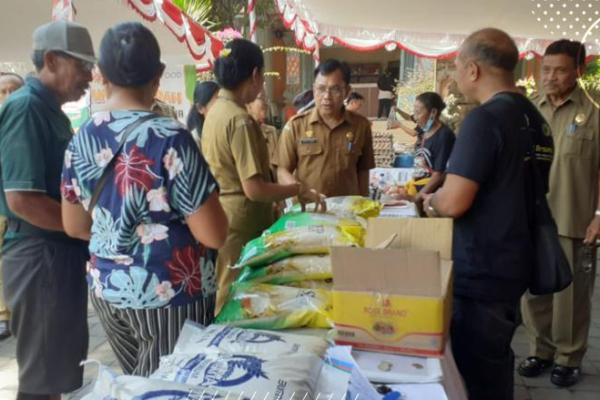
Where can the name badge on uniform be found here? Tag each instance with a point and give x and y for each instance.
(571, 129)
(308, 140)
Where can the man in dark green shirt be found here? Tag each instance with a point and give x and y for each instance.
(44, 270)
(9, 83)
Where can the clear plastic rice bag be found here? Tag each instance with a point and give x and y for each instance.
(290, 270)
(346, 206)
(301, 233)
(262, 306)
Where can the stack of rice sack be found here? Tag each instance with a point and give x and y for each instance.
(285, 278)
(221, 362)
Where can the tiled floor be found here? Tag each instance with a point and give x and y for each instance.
(525, 389)
(542, 389)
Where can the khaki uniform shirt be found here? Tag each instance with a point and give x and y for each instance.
(574, 174)
(236, 150)
(325, 159)
(272, 138)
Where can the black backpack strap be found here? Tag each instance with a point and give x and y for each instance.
(111, 164)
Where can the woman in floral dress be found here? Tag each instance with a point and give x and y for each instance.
(157, 216)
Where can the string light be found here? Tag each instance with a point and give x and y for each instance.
(286, 49)
(272, 74)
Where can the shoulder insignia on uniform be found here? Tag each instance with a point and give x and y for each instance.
(580, 119)
(300, 115)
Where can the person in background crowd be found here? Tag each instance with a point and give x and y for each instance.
(163, 109)
(258, 111)
(237, 154)
(394, 123)
(44, 270)
(354, 102)
(558, 325)
(303, 101)
(328, 148)
(433, 153)
(9, 83)
(485, 193)
(205, 95)
(153, 269)
(385, 84)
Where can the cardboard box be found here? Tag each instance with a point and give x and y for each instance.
(397, 299)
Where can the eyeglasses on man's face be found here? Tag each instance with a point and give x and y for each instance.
(334, 91)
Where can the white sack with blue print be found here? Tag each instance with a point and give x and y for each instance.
(228, 339)
(285, 378)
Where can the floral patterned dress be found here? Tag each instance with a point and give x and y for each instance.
(143, 253)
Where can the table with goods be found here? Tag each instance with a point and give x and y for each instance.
(331, 306)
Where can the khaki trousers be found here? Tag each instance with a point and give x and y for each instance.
(558, 324)
(228, 256)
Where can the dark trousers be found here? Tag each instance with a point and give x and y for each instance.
(385, 105)
(46, 291)
(481, 335)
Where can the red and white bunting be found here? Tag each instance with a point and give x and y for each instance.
(252, 17)
(202, 45)
(62, 10)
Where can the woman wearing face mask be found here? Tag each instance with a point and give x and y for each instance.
(237, 154)
(205, 95)
(432, 155)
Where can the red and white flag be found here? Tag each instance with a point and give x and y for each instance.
(252, 16)
(62, 10)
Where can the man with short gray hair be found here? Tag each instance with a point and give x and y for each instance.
(44, 269)
(488, 192)
(558, 324)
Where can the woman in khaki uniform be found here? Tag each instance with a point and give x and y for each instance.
(237, 154)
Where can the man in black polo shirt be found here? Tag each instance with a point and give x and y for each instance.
(44, 269)
(488, 193)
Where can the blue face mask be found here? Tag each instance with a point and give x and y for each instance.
(429, 124)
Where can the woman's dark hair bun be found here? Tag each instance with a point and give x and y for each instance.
(238, 59)
(432, 100)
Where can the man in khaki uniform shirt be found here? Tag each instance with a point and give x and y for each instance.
(328, 148)
(558, 324)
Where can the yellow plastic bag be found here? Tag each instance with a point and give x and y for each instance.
(413, 187)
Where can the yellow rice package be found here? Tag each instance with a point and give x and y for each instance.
(261, 306)
(347, 206)
(290, 270)
(301, 233)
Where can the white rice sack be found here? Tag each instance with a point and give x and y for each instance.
(228, 339)
(275, 379)
(112, 386)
